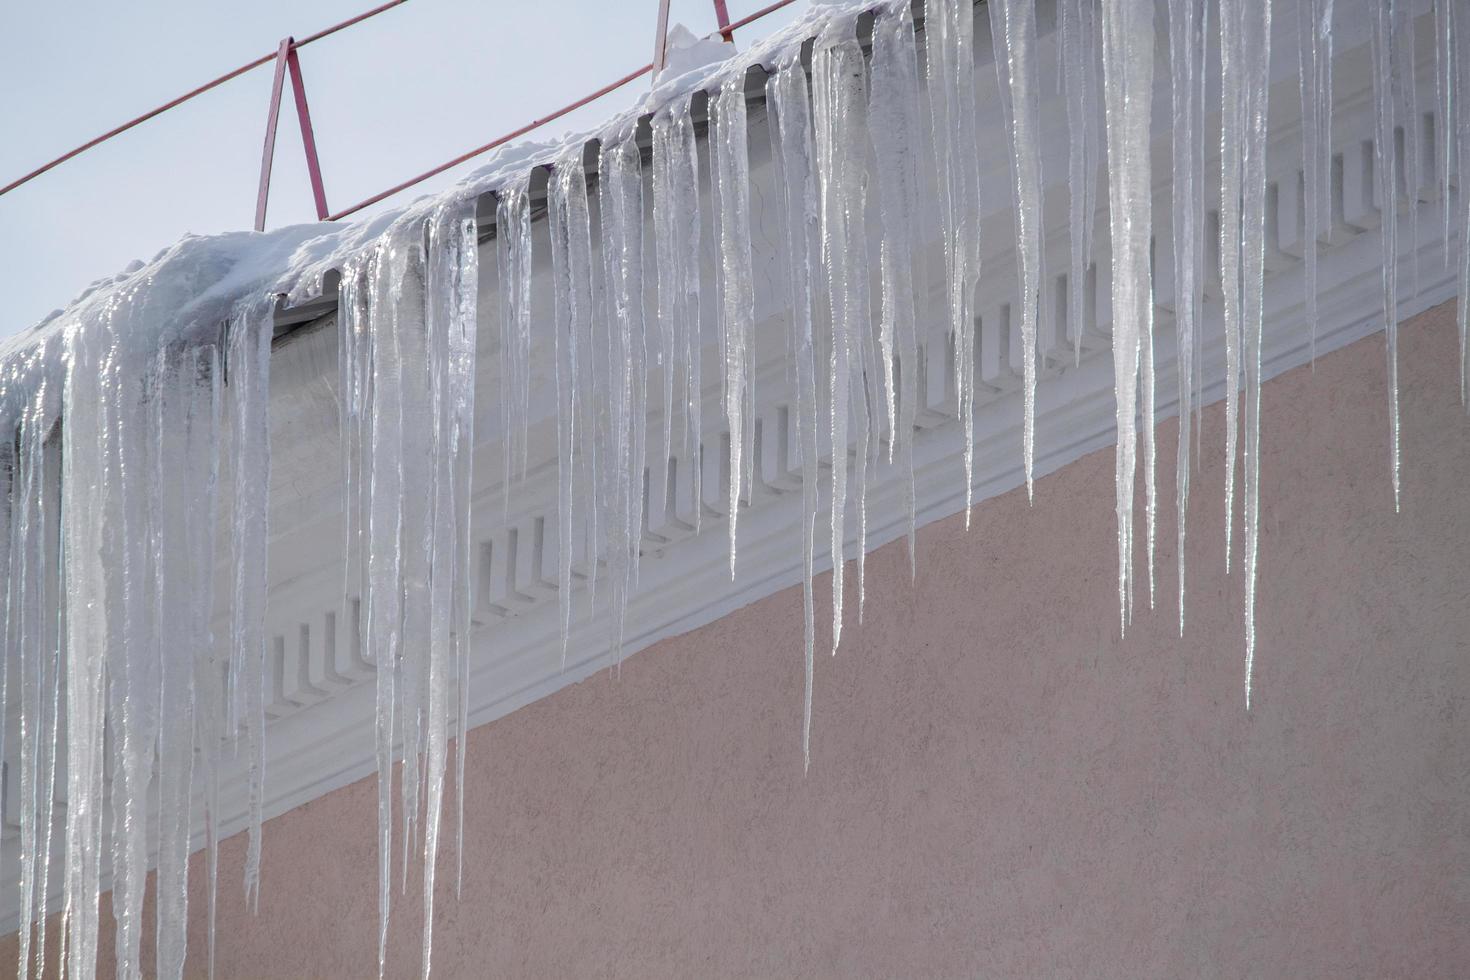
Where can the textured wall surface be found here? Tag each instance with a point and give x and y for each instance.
(1000, 786)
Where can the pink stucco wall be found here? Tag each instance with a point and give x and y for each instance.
(1000, 786)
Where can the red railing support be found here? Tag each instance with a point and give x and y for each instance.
(268, 154)
(537, 123)
(661, 38)
(287, 61)
(498, 141)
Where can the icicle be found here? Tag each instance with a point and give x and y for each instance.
(12, 534)
(407, 365)
(187, 430)
(1386, 82)
(1405, 93)
(676, 236)
(839, 96)
(443, 564)
(405, 308)
(10, 528)
(1127, 55)
(34, 635)
(99, 391)
(1444, 110)
(354, 424)
(380, 471)
(893, 118)
(459, 257)
(1186, 52)
(1013, 35)
(620, 189)
(1202, 247)
(514, 257)
(851, 100)
(135, 678)
(735, 277)
(1256, 51)
(9, 475)
(356, 393)
(249, 391)
(211, 659)
(667, 256)
(1232, 125)
(1326, 10)
(1445, 106)
(1147, 420)
(51, 582)
(209, 675)
(1314, 62)
(572, 285)
(1078, 29)
(451, 274)
(636, 315)
(1245, 61)
(792, 139)
(46, 817)
(600, 383)
(1461, 58)
(139, 559)
(405, 288)
(950, 68)
(19, 594)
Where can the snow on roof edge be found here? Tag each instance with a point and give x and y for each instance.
(204, 279)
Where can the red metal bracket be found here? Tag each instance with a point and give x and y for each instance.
(722, 17)
(661, 38)
(287, 61)
(308, 139)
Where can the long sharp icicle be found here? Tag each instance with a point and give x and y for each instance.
(734, 281)
(1186, 54)
(1127, 56)
(1255, 39)
(1013, 33)
(893, 121)
(1078, 38)
(787, 90)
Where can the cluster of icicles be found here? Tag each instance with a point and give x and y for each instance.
(124, 691)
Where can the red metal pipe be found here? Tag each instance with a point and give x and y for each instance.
(498, 141)
(663, 24)
(328, 31)
(727, 30)
(752, 18)
(192, 93)
(134, 122)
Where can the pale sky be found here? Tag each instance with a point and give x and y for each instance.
(390, 98)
